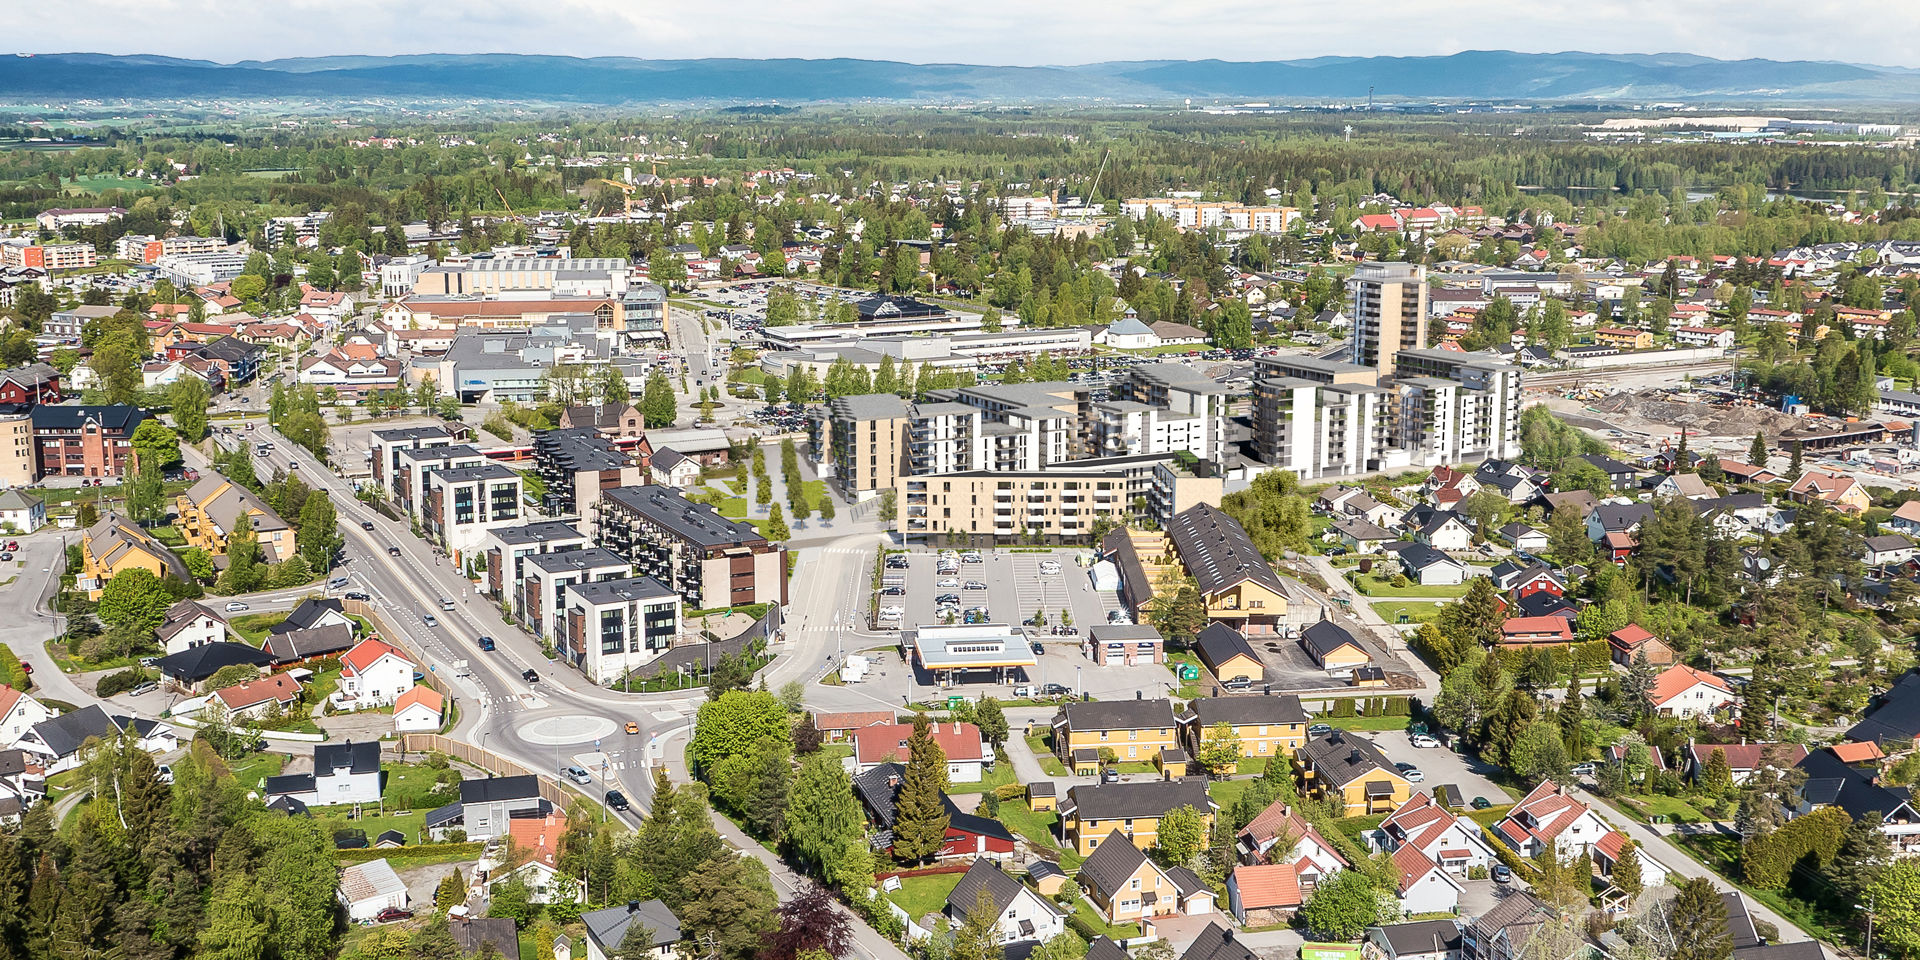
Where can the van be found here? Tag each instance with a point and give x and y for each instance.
(446, 604)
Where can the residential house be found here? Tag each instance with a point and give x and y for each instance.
(836, 727)
(1906, 518)
(59, 744)
(1842, 493)
(1524, 538)
(1092, 812)
(1549, 818)
(115, 544)
(368, 888)
(1887, 548)
(1134, 730)
(1415, 940)
(372, 674)
(607, 929)
(1216, 942)
(190, 669)
(1445, 531)
(1263, 894)
(1443, 838)
(967, 756)
(1622, 476)
(1235, 582)
(1547, 631)
(1360, 535)
(1617, 517)
(1833, 782)
(1894, 719)
(1685, 485)
(1280, 835)
(532, 856)
(296, 646)
(672, 469)
(1127, 887)
(1228, 654)
(968, 835)
(1348, 767)
(190, 623)
(21, 512)
(253, 699)
(1267, 727)
(1505, 931)
(212, 511)
(1426, 566)
(346, 772)
(475, 935)
(421, 709)
(1632, 641)
(19, 712)
(1020, 912)
(1682, 691)
(315, 612)
(1743, 759)
(614, 420)
(485, 806)
(1422, 885)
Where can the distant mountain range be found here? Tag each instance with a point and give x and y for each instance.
(1497, 75)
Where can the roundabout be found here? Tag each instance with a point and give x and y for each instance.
(569, 728)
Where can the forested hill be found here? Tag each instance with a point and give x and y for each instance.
(1471, 75)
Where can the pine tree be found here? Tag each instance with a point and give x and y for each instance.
(1698, 918)
(1757, 454)
(1626, 871)
(1793, 465)
(1573, 728)
(777, 524)
(920, 818)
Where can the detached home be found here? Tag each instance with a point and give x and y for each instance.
(1682, 691)
(1020, 912)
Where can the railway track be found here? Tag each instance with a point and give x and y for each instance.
(1598, 375)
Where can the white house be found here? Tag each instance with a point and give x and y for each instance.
(607, 929)
(190, 624)
(1888, 548)
(1549, 817)
(18, 713)
(368, 888)
(1421, 884)
(1445, 531)
(1021, 912)
(671, 469)
(1423, 824)
(346, 772)
(372, 674)
(22, 512)
(421, 708)
(1427, 566)
(1127, 333)
(1524, 537)
(537, 840)
(1682, 691)
(1311, 858)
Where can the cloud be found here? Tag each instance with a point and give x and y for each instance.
(983, 31)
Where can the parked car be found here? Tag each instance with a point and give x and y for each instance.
(1502, 873)
(1481, 803)
(143, 689)
(360, 595)
(1422, 740)
(616, 800)
(1584, 769)
(949, 583)
(391, 914)
(1049, 567)
(1109, 775)
(1319, 730)
(1039, 649)
(893, 591)
(577, 775)
(1022, 692)
(972, 558)
(1054, 690)
(974, 585)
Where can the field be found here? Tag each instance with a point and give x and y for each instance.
(919, 896)
(1407, 611)
(101, 182)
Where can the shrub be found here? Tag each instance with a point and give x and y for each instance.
(11, 672)
(121, 682)
(1011, 791)
(1770, 859)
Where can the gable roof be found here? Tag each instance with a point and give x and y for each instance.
(1267, 886)
(494, 789)
(473, 933)
(1325, 637)
(309, 613)
(539, 836)
(1219, 643)
(1746, 756)
(608, 927)
(1216, 550)
(1284, 709)
(360, 757)
(1343, 757)
(369, 881)
(959, 741)
(314, 642)
(1421, 936)
(278, 687)
(422, 695)
(1117, 714)
(1830, 781)
(1410, 866)
(1108, 868)
(198, 663)
(366, 653)
(1139, 800)
(1680, 678)
(1001, 889)
(1897, 717)
(1217, 942)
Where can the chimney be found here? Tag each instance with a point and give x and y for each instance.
(633, 906)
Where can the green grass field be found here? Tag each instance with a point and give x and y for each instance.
(1407, 611)
(919, 896)
(100, 182)
(999, 776)
(1374, 586)
(1037, 827)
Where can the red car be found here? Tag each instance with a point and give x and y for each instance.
(28, 667)
(391, 914)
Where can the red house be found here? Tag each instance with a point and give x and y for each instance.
(967, 835)
(32, 384)
(1619, 546)
(1538, 580)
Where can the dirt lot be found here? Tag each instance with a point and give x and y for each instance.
(1657, 410)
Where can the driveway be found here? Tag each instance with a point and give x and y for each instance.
(1440, 765)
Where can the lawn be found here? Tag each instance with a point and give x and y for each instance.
(249, 772)
(407, 780)
(1407, 611)
(1374, 586)
(1049, 763)
(1225, 792)
(1189, 689)
(1001, 775)
(919, 896)
(254, 626)
(1675, 809)
(1088, 915)
(336, 818)
(1037, 827)
(1356, 828)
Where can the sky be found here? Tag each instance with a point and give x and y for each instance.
(1008, 32)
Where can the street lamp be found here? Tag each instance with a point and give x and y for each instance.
(1868, 907)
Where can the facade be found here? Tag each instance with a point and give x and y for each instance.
(19, 459)
(1127, 887)
(85, 441)
(1389, 313)
(1091, 813)
(966, 752)
(1238, 585)
(346, 772)
(190, 624)
(1020, 912)
(48, 256)
(507, 550)
(1135, 730)
(616, 626)
(386, 445)
(373, 674)
(211, 511)
(1454, 844)
(709, 560)
(1267, 727)
(1348, 767)
(415, 468)
(577, 464)
(486, 806)
(541, 598)
(1059, 504)
(116, 544)
(464, 503)
(420, 709)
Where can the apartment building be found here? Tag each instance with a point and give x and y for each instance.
(48, 256)
(1092, 813)
(1134, 730)
(1057, 505)
(492, 276)
(576, 464)
(865, 439)
(385, 448)
(541, 599)
(708, 560)
(200, 269)
(147, 249)
(85, 441)
(61, 219)
(416, 466)
(211, 511)
(115, 544)
(613, 627)
(1389, 313)
(507, 550)
(1189, 214)
(1267, 727)
(282, 230)
(69, 324)
(463, 503)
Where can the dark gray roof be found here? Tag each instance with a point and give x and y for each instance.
(288, 806)
(362, 757)
(1146, 798)
(870, 406)
(473, 932)
(1103, 948)
(877, 789)
(118, 418)
(14, 762)
(491, 789)
(1422, 936)
(1107, 869)
(1219, 643)
(1118, 714)
(68, 732)
(1188, 881)
(1608, 465)
(1420, 556)
(292, 645)
(1326, 636)
(1218, 943)
(695, 523)
(540, 532)
(451, 813)
(609, 927)
(229, 349)
(1802, 950)
(1519, 913)
(1002, 889)
(1897, 718)
(1618, 517)
(413, 433)
(1739, 922)
(1831, 781)
(1123, 632)
(287, 783)
(577, 560)
(1343, 757)
(1243, 710)
(478, 471)
(310, 612)
(580, 448)
(1217, 551)
(1043, 869)
(623, 590)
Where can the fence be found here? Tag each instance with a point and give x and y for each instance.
(487, 760)
(434, 679)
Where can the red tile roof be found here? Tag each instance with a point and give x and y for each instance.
(365, 654)
(541, 837)
(852, 719)
(883, 742)
(1680, 678)
(1409, 864)
(421, 694)
(1266, 886)
(1847, 752)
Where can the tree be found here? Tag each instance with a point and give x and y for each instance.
(1757, 454)
(189, 398)
(1719, 774)
(992, 721)
(1485, 508)
(1540, 753)
(810, 923)
(451, 892)
(777, 524)
(889, 506)
(766, 800)
(1183, 834)
(1793, 464)
(978, 937)
(730, 902)
(319, 531)
(1343, 907)
(920, 818)
(1626, 871)
(733, 724)
(1567, 537)
(657, 406)
(155, 442)
(806, 736)
(1896, 904)
(1698, 918)
(822, 815)
(146, 494)
(1219, 749)
(636, 943)
(136, 599)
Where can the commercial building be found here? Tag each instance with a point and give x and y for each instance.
(60, 219)
(200, 269)
(493, 276)
(1389, 313)
(463, 503)
(957, 653)
(47, 256)
(617, 626)
(708, 560)
(85, 441)
(541, 600)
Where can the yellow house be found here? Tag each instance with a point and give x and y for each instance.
(1238, 585)
(1228, 654)
(1040, 796)
(116, 544)
(1135, 730)
(1625, 338)
(1091, 813)
(210, 511)
(1126, 886)
(1348, 766)
(1270, 728)
(1333, 648)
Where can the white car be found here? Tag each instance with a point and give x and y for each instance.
(1422, 740)
(1049, 566)
(949, 583)
(235, 606)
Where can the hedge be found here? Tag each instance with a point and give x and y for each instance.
(11, 672)
(1591, 655)
(467, 851)
(1768, 860)
(1521, 867)
(121, 682)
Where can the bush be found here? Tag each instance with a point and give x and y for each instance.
(11, 672)
(1011, 791)
(121, 682)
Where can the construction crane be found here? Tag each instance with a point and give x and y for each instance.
(624, 188)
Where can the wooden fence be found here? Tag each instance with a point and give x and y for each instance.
(487, 760)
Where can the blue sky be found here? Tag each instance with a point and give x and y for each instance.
(976, 31)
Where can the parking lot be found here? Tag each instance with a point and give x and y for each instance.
(1009, 588)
